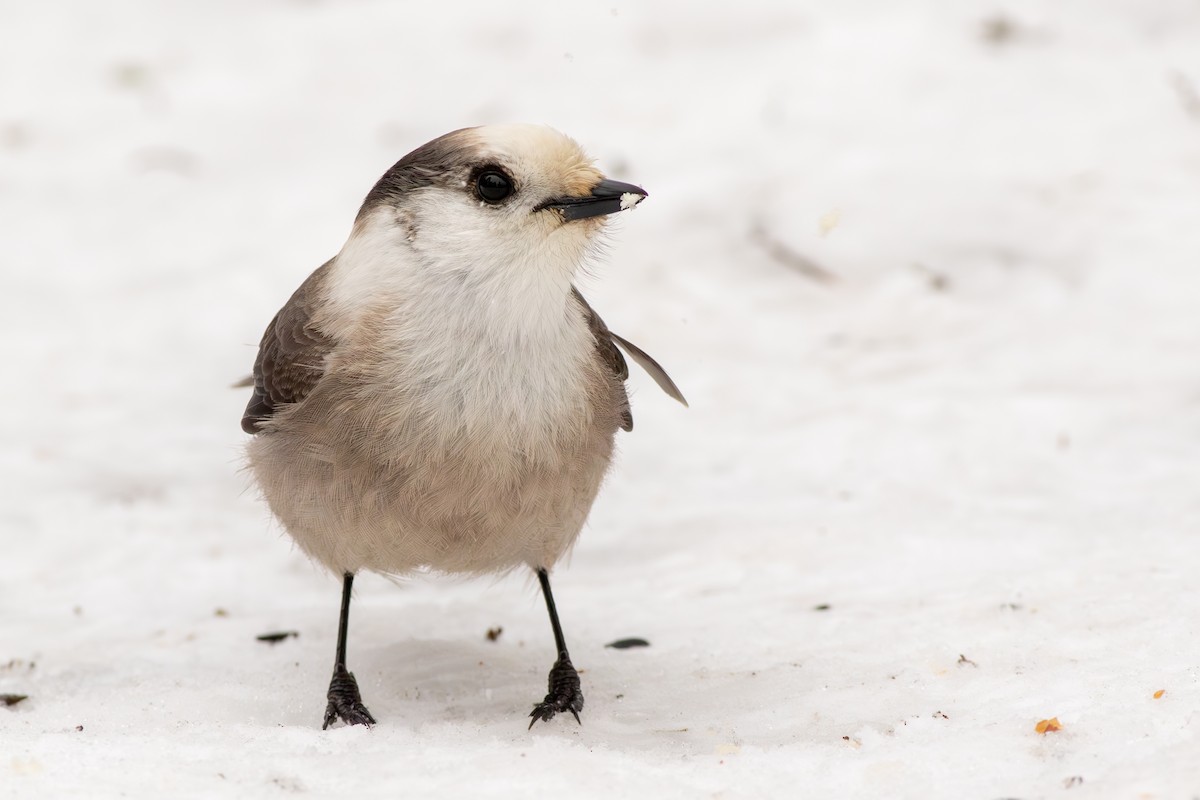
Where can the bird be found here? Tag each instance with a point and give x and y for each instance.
(439, 396)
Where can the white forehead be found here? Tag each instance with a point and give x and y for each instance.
(540, 152)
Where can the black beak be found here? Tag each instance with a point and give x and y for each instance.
(607, 197)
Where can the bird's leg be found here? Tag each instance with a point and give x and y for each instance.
(565, 693)
(345, 702)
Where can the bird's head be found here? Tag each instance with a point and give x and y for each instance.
(493, 199)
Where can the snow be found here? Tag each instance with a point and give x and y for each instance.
(631, 199)
(938, 478)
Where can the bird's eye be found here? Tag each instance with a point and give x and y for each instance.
(493, 186)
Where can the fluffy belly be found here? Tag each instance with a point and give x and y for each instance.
(478, 508)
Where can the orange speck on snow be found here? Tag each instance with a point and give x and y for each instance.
(1048, 725)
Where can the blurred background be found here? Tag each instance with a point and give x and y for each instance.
(927, 272)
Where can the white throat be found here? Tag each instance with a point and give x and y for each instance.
(511, 282)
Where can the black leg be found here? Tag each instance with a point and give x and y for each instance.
(565, 693)
(345, 702)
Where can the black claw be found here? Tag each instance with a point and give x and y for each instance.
(565, 693)
(345, 702)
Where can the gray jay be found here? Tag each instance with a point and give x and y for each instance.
(439, 395)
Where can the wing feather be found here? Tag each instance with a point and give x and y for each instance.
(610, 355)
(291, 356)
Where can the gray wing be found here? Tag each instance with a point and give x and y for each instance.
(291, 356)
(610, 355)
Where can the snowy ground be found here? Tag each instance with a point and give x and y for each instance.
(977, 444)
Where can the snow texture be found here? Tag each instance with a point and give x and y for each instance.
(928, 273)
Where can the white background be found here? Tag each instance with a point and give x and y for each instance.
(977, 444)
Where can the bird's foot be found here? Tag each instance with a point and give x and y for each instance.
(565, 693)
(345, 703)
